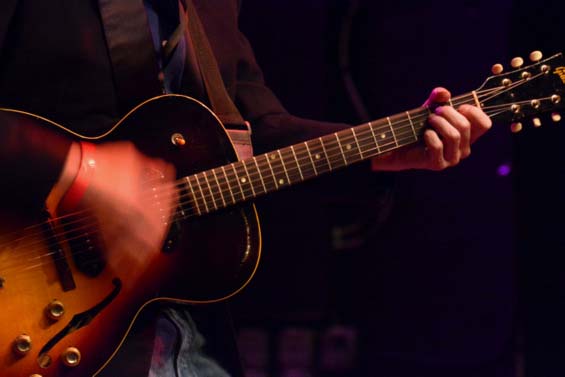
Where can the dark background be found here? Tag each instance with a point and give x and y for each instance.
(463, 279)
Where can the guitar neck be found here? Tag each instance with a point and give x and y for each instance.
(224, 186)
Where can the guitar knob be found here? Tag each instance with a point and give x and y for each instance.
(536, 122)
(516, 127)
(536, 56)
(517, 62)
(71, 357)
(497, 69)
(556, 117)
(22, 344)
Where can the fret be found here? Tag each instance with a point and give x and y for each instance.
(350, 146)
(334, 154)
(311, 159)
(392, 131)
(248, 178)
(325, 153)
(340, 148)
(450, 103)
(304, 162)
(297, 162)
(219, 187)
(278, 168)
(228, 183)
(194, 198)
(210, 188)
(260, 176)
(284, 168)
(374, 137)
(238, 181)
(412, 125)
(321, 162)
(357, 142)
(272, 171)
(202, 193)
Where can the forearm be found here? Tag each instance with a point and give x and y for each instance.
(31, 158)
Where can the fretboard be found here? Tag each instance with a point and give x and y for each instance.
(226, 185)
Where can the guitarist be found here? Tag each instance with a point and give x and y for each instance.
(84, 64)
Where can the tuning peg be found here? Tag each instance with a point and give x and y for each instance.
(497, 69)
(536, 56)
(517, 62)
(556, 117)
(516, 127)
(537, 122)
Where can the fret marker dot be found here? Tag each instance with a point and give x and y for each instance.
(383, 136)
(348, 147)
(243, 180)
(273, 157)
(281, 181)
(317, 156)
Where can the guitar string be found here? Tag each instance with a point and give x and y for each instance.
(329, 155)
(382, 127)
(294, 176)
(483, 91)
(78, 252)
(74, 230)
(225, 181)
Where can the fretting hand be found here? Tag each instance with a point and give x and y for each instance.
(446, 142)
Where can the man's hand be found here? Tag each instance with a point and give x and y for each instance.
(446, 142)
(129, 199)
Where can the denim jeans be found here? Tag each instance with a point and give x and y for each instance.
(177, 350)
(173, 343)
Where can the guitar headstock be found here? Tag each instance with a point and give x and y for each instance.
(526, 91)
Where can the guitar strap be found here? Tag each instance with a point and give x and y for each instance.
(238, 129)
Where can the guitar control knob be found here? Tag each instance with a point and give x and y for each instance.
(22, 344)
(517, 62)
(71, 357)
(536, 56)
(55, 310)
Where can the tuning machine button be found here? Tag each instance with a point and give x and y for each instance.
(556, 117)
(497, 69)
(537, 122)
(517, 62)
(22, 344)
(516, 127)
(535, 56)
(71, 357)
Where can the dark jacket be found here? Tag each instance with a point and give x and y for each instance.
(84, 64)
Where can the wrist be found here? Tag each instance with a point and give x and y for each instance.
(74, 179)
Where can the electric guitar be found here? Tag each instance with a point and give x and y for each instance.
(65, 313)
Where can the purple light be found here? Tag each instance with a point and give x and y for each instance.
(504, 170)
